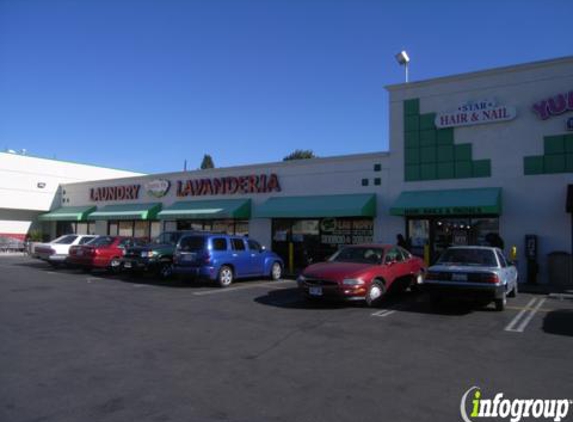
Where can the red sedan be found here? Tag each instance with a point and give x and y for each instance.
(104, 252)
(362, 272)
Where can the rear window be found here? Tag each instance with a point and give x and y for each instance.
(86, 239)
(192, 243)
(468, 256)
(65, 240)
(219, 244)
(101, 241)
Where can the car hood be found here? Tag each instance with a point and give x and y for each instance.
(336, 271)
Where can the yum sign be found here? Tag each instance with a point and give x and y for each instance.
(554, 106)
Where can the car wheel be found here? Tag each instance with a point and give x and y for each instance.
(115, 265)
(165, 270)
(276, 271)
(375, 293)
(514, 292)
(225, 277)
(500, 303)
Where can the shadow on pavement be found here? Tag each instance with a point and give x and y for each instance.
(399, 301)
(559, 322)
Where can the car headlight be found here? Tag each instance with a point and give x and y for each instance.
(147, 254)
(353, 282)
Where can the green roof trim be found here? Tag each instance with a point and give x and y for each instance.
(68, 214)
(356, 205)
(211, 209)
(448, 202)
(127, 212)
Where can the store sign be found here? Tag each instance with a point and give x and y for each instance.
(554, 106)
(115, 193)
(346, 232)
(230, 185)
(476, 113)
(157, 188)
(449, 211)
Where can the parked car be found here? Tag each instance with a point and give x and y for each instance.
(57, 251)
(104, 252)
(361, 272)
(476, 272)
(224, 258)
(155, 257)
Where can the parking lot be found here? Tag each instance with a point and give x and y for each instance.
(93, 347)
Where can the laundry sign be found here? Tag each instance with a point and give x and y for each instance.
(476, 113)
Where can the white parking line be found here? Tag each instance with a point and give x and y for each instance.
(384, 312)
(523, 318)
(264, 284)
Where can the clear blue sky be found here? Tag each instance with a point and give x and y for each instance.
(143, 85)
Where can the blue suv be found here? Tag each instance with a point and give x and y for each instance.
(224, 258)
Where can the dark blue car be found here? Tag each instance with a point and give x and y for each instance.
(224, 258)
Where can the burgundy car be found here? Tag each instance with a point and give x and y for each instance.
(104, 252)
(362, 272)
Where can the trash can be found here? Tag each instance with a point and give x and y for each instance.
(560, 268)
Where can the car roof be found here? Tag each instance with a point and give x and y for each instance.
(488, 248)
(372, 245)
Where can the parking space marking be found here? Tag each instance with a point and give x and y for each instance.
(383, 313)
(263, 284)
(524, 317)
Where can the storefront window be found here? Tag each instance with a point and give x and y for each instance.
(141, 229)
(77, 227)
(125, 228)
(314, 240)
(155, 229)
(112, 228)
(440, 233)
(237, 227)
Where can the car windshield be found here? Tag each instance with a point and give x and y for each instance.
(468, 256)
(170, 238)
(101, 241)
(360, 255)
(65, 240)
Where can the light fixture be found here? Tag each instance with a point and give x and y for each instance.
(403, 59)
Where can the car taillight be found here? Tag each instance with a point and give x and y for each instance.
(490, 278)
(438, 276)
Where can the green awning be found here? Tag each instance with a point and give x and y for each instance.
(126, 212)
(316, 206)
(211, 209)
(68, 214)
(449, 202)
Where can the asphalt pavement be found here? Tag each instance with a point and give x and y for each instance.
(94, 347)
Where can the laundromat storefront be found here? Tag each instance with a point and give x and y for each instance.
(307, 229)
(71, 220)
(436, 219)
(139, 220)
(229, 216)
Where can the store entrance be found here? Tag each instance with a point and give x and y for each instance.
(430, 236)
(301, 242)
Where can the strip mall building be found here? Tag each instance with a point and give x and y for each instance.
(471, 155)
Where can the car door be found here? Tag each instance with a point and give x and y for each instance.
(257, 257)
(240, 257)
(394, 264)
(508, 272)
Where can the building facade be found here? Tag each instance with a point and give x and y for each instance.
(29, 186)
(478, 158)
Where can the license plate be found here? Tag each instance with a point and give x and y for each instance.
(315, 291)
(189, 256)
(459, 277)
(127, 264)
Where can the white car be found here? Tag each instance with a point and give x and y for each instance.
(56, 252)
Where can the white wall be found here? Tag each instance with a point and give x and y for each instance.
(22, 196)
(532, 204)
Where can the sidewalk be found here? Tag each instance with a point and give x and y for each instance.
(544, 288)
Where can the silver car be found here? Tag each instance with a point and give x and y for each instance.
(478, 272)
